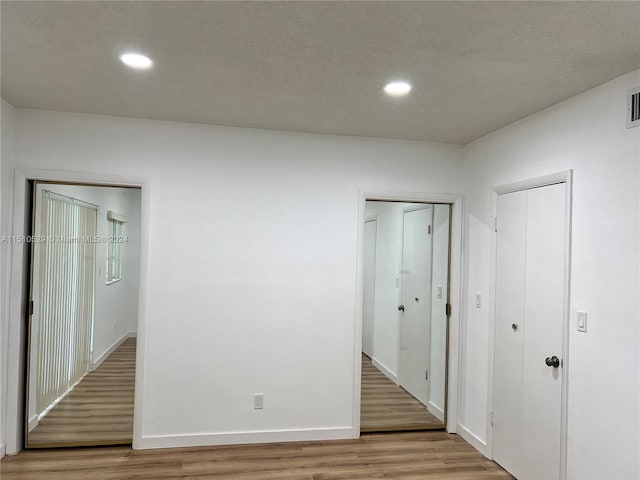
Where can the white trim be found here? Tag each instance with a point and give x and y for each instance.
(14, 429)
(358, 320)
(3, 449)
(239, 438)
(475, 441)
(456, 318)
(108, 352)
(536, 182)
(564, 405)
(16, 367)
(132, 334)
(88, 178)
(435, 410)
(493, 249)
(565, 177)
(456, 202)
(388, 373)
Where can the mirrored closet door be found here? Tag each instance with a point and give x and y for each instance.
(83, 315)
(405, 316)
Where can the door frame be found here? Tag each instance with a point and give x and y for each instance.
(455, 297)
(566, 177)
(19, 257)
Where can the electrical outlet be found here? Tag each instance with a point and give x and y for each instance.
(258, 401)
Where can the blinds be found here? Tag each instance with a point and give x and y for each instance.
(64, 304)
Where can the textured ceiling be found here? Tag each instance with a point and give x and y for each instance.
(317, 66)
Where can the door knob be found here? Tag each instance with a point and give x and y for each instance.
(552, 361)
(514, 327)
(401, 308)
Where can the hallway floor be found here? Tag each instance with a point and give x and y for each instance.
(398, 456)
(388, 407)
(99, 410)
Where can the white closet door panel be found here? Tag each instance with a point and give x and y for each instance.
(544, 312)
(510, 308)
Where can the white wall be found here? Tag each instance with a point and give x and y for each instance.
(6, 200)
(587, 134)
(251, 264)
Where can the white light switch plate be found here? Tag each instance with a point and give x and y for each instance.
(582, 322)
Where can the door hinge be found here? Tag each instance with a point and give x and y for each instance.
(495, 224)
(447, 309)
(429, 230)
(426, 375)
(491, 419)
(31, 307)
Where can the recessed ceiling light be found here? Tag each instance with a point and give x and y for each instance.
(136, 60)
(397, 89)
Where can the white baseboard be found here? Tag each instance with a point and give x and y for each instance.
(33, 422)
(109, 351)
(3, 449)
(388, 373)
(239, 438)
(434, 410)
(475, 441)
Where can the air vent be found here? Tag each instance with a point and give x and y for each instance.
(633, 107)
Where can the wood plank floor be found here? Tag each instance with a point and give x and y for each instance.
(399, 456)
(99, 410)
(387, 407)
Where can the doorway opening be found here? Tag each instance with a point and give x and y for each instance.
(405, 325)
(83, 314)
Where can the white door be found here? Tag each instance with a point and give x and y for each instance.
(530, 310)
(415, 313)
(369, 281)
